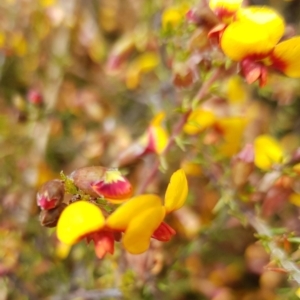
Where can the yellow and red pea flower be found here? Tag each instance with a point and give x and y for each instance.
(154, 140)
(252, 39)
(140, 218)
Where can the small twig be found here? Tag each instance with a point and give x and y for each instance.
(276, 253)
(204, 90)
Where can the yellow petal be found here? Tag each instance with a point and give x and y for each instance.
(138, 233)
(286, 57)
(236, 90)
(176, 192)
(198, 121)
(62, 250)
(295, 199)
(158, 119)
(267, 152)
(124, 214)
(77, 220)
(233, 130)
(269, 20)
(142, 64)
(244, 39)
(190, 168)
(173, 16)
(160, 138)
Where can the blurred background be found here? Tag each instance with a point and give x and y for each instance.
(73, 93)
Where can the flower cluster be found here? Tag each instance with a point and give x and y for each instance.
(252, 37)
(139, 219)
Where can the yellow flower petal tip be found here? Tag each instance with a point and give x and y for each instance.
(267, 152)
(177, 191)
(137, 236)
(77, 220)
(121, 217)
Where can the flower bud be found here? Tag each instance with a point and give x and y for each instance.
(49, 218)
(104, 182)
(50, 195)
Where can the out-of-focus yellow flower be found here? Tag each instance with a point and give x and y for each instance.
(191, 168)
(154, 140)
(142, 216)
(236, 92)
(298, 292)
(295, 199)
(267, 152)
(252, 39)
(225, 9)
(232, 129)
(255, 33)
(142, 64)
(199, 120)
(173, 16)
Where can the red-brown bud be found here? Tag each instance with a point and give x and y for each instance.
(50, 195)
(100, 181)
(49, 218)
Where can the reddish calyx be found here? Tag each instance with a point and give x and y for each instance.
(253, 71)
(164, 232)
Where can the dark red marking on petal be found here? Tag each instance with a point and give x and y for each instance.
(120, 189)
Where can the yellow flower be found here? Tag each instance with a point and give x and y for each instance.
(173, 16)
(142, 216)
(232, 129)
(252, 39)
(267, 152)
(154, 140)
(255, 33)
(143, 64)
(199, 120)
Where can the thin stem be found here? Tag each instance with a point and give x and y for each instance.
(203, 91)
(276, 253)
